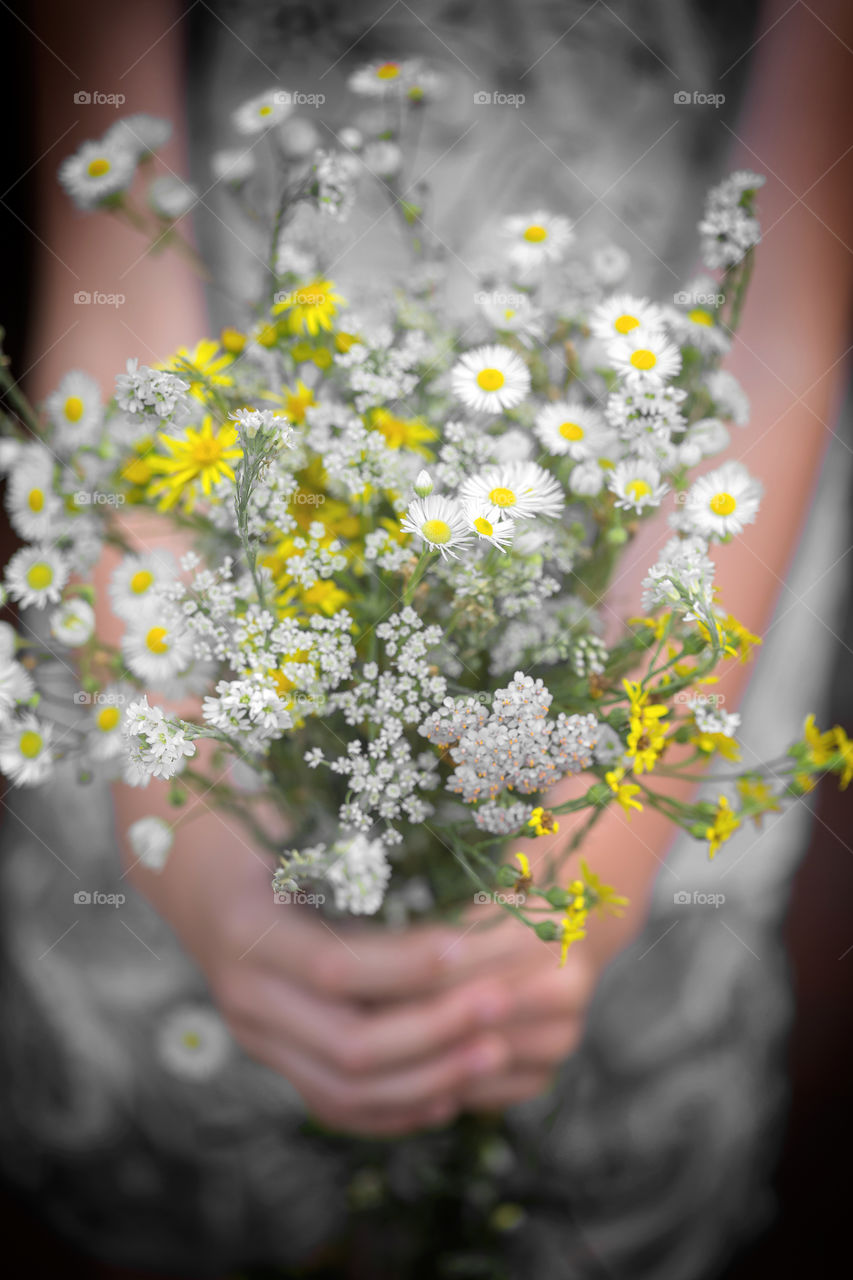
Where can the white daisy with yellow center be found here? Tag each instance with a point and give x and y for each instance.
(510, 311)
(76, 411)
(382, 79)
(637, 484)
(31, 500)
(645, 358)
(490, 524)
(73, 623)
(99, 171)
(519, 490)
(698, 327)
(25, 750)
(139, 580)
(620, 315)
(535, 239)
(36, 576)
(157, 646)
(193, 1043)
(106, 717)
(568, 427)
(262, 112)
(722, 502)
(440, 523)
(490, 379)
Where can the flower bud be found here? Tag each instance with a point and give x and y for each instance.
(423, 484)
(546, 930)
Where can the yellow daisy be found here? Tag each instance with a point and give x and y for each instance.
(197, 459)
(309, 307)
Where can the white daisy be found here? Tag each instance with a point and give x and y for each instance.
(193, 1043)
(234, 165)
(140, 133)
(76, 411)
(156, 646)
(16, 685)
(521, 490)
(105, 737)
(644, 358)
(610, 264)
(377, 79)
(138, 580)
(697, 328)
(587, 479)
(622, 314)
(36, 575)
(569, 427)
(722, 502)
(31, 501)
(535, 239)
(637, 484)
(440, 522)
(151, 839)
(490, 379)
(262, 112)
(98, 172)
(25, 755)
(170, 197)
(513, 313)
(489, 523)
(73, 623)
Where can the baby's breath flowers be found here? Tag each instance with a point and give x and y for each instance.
(388, 619)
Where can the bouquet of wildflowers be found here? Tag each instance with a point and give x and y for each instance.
(399, 532)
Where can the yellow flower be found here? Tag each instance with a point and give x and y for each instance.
(524, 862)
(739, 638)
(604, 897)
(403, 433)
(572, 930)
(233, 341)
(844, 747)
(296, 402)
(821, 745)
(720, 742)
(657, 625)
(197, 458)
(647, 737)
(624, 791)
(543, 822)
(324, 597)
(725, 823)
(207, 360)
(758, 798)
(309, 307)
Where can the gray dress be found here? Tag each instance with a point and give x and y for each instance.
(651, 1158)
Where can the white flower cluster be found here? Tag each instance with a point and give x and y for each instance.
(141, 390)
(157, 747)
(380, 370)
(728, 228)
(682, 579)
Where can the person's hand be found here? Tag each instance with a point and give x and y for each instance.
(366, 1023)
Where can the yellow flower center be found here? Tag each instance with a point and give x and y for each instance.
(265, 110)
(700, 316)
(206, 450)
(98, 167)
(643, 359)
(30, 744)
(74, 408)
(490, 379)
(233, 341)
(625, 323)
(638, 489)
(39, 576)
(388, 71)
(482, 526)
(722, 504)
(535, 234)
(437, 531)
(157, 640)
(141, 581)
(35, 499)
(502, 498)
(509, 313)
(107, 718)
(571, 431)
(191, 1040)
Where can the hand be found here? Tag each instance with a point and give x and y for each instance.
(364, 1022)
